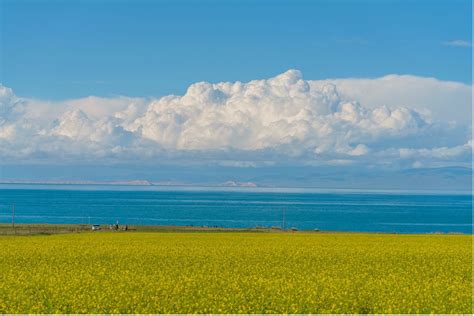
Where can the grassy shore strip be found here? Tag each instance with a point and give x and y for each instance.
(50, 229)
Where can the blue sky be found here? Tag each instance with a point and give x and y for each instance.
(69, 49)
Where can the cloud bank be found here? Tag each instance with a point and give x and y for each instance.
(394, 121)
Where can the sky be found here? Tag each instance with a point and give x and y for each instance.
(265, 86)
(55, 49)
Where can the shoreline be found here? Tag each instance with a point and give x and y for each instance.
(23, 229)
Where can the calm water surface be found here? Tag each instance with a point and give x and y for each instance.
(303, 209)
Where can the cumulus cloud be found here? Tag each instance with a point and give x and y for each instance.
(284, 118)
(437, 100)
(11, 107)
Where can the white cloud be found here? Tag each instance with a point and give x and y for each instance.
(94, 107)
(435, 99)
(261, 122)
(458, 43)
(11, 107)
(437, 152)
(283, 113)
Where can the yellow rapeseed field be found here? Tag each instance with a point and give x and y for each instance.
(235, 273)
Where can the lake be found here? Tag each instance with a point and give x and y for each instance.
(304, 209)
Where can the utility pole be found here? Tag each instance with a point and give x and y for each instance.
(283, 224)
(13, 216)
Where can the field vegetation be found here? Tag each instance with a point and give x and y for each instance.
(235, 272)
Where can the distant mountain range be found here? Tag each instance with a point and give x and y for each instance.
(131, 183)
(447, 178)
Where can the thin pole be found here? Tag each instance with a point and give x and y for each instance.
(283, 219)
(13, 216)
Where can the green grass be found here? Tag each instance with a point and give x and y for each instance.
(49, 229)
(230, 272)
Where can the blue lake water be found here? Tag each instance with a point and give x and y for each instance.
(303, 209)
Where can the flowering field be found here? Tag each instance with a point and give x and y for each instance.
(235, 273)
